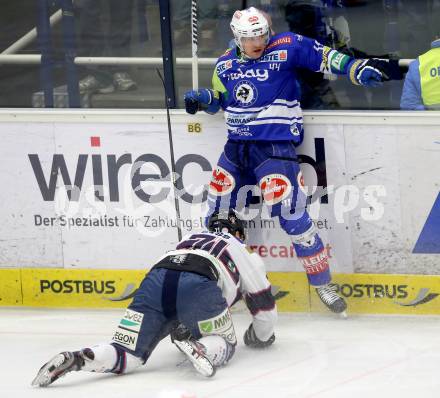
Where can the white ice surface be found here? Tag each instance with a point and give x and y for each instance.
(313, 356)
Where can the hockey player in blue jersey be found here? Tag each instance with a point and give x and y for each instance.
(255, 84)
(193, 286)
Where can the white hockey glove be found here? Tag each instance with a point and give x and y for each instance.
(251, 339)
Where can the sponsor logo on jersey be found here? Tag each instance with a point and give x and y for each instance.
(275, 188)
(241, 131)
(222, 182)
(206, 326)
(224, 66)
(338, 60)
(219, 325)
(126, 338)
(315, 264)
(127, 332)
(278, 42)
(235, 119)
(132, 320)
(300, 180)
(275, 56)
(178, 258)
(295, 130)
(245, 93)
(260, 74)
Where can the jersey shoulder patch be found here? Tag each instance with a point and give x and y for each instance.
(224, 62)
(281, 40)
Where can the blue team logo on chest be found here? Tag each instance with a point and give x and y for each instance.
(245, 93)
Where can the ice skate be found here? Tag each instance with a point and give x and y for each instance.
(58, 366)
(331, 299)
(196, 354)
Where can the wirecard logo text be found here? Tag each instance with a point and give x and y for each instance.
(73, 182)
(108, 187)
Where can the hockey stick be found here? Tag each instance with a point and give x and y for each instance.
(194, 38)
(173, 163)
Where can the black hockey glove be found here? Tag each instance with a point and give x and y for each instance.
(389, 68)
(251, 339)
(181, 332)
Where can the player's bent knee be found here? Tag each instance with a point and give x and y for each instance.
(295, 225)
(307, 239)
(308, 243)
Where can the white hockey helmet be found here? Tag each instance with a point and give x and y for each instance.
(249, 23)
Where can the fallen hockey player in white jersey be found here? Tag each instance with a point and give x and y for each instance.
(214, 265)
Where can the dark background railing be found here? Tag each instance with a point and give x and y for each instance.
(158, 31)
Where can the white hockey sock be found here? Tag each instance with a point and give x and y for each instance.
(106, 358)
(103, 358)
(218, 350)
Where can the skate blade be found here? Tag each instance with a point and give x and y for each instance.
(44, 376)
(200, 363)
(41, 380)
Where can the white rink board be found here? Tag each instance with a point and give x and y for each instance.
(397, 153)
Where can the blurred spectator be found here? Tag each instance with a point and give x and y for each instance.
(313, 19)
(421, 89)
(100, 37)
(207, 22)
(325, 21)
